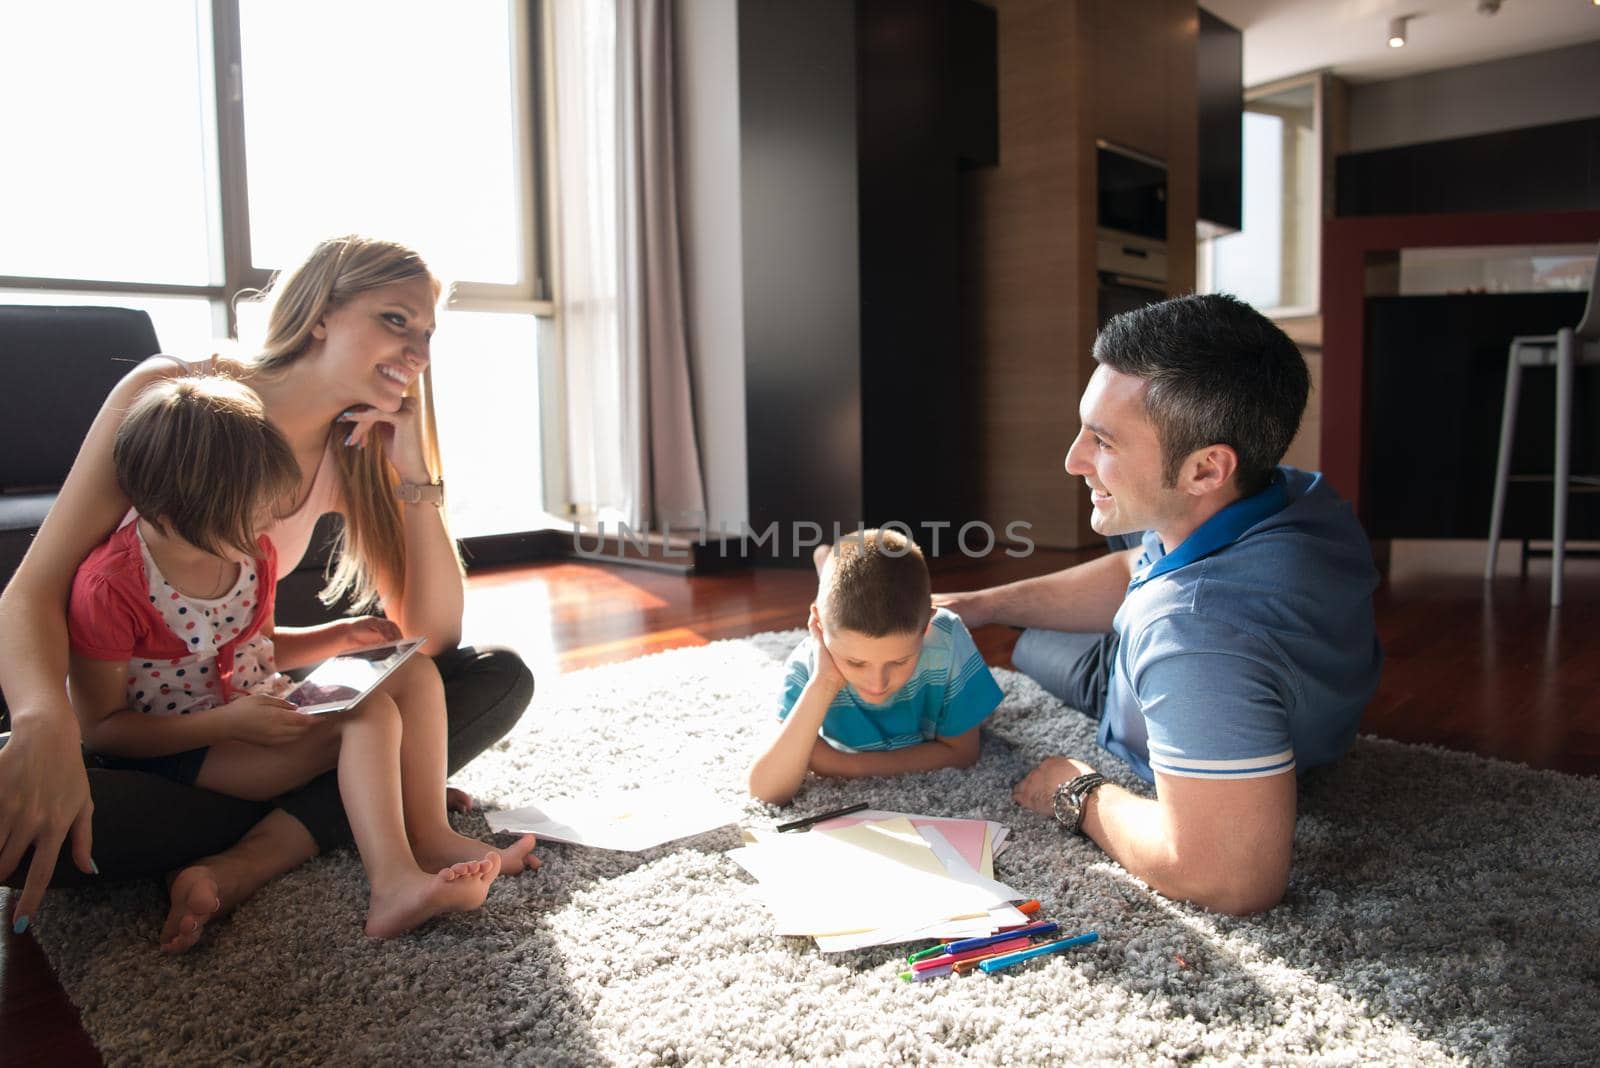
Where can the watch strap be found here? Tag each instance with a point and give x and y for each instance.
(1070, 797)
(421, 492)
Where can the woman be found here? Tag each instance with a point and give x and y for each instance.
(343, 376)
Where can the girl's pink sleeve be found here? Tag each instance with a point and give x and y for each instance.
(101, 624)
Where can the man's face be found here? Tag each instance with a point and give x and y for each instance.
(1118, 454)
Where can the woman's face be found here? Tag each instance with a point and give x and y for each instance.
(374, 345)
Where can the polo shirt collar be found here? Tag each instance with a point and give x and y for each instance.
(1221, 530)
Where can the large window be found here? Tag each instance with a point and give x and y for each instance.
(1272, 262)
(168, 154)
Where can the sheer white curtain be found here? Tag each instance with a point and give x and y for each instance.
(631, 449)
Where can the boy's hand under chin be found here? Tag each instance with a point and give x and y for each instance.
(827, 672)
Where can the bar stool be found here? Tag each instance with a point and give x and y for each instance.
(1565, 350)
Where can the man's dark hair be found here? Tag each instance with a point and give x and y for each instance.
(1217, 372)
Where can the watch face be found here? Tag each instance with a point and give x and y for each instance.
(1066, 809)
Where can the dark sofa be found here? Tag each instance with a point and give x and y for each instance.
(58, 364)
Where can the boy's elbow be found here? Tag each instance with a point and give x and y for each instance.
(762, 789)
(964, 750)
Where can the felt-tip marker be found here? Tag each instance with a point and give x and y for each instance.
(994, 964)
(800, 825)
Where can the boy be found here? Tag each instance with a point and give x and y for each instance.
(885, 684)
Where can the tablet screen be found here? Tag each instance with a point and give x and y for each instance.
(343, 680)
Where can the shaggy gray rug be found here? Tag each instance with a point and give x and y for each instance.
(1443, 910)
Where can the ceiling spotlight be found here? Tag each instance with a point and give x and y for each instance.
(1397, 31)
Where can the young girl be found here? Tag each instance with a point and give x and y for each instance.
(175, 663)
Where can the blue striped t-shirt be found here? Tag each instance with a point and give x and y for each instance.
(949, 693)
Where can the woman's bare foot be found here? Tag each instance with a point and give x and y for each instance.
(417, 898)
(195, 900)
(446, 847)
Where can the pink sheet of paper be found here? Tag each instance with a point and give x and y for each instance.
(967, 836)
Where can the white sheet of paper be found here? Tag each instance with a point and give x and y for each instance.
(861, 878)
(997, 831)
(958, 869)
(629, 821)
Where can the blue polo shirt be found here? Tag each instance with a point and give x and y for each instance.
(949, 693)
(1250, 648)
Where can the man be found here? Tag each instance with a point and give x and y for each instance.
(1234, 645)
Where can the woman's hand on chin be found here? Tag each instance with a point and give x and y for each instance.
(401, 431)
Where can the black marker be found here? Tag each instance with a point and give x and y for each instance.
(801, 825)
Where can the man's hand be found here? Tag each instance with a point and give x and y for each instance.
(44, 800)
(971, 606)
(262, 720)
(1038, 791)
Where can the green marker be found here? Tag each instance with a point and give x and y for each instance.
(924, 954)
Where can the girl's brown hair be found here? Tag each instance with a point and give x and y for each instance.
(372, 542)
(197, 456)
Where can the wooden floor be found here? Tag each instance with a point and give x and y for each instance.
(1488, 669)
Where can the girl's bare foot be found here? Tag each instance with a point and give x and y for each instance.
(444, 848)
(458, 800)
(195, 899)
(417, 897)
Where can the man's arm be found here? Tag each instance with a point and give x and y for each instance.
(1083, 598)
(1223, 845)
(959, 751)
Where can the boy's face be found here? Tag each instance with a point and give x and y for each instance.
(876, 667)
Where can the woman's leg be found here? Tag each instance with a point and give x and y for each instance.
(213, 886)
(214, 850)
(485, 693)
(146, 826)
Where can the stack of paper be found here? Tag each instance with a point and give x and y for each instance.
(864, 881)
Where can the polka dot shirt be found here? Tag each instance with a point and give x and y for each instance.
(182, 685)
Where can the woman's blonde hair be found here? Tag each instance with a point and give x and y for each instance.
(197, 457)
(372, 542)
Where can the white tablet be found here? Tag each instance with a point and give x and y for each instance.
(341, 682)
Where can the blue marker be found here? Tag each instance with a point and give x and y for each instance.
(994, 964)
(1047, 927)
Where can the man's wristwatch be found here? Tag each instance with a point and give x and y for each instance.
(421, 492)
(1070, 798)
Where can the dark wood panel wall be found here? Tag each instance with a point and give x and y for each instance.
(1219, 75)
(802, 310)
(1071, 71)
(919, 308)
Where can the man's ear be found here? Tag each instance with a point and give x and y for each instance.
(1208, 470)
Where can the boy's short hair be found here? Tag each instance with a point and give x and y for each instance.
(197, 456)
(876, 583)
